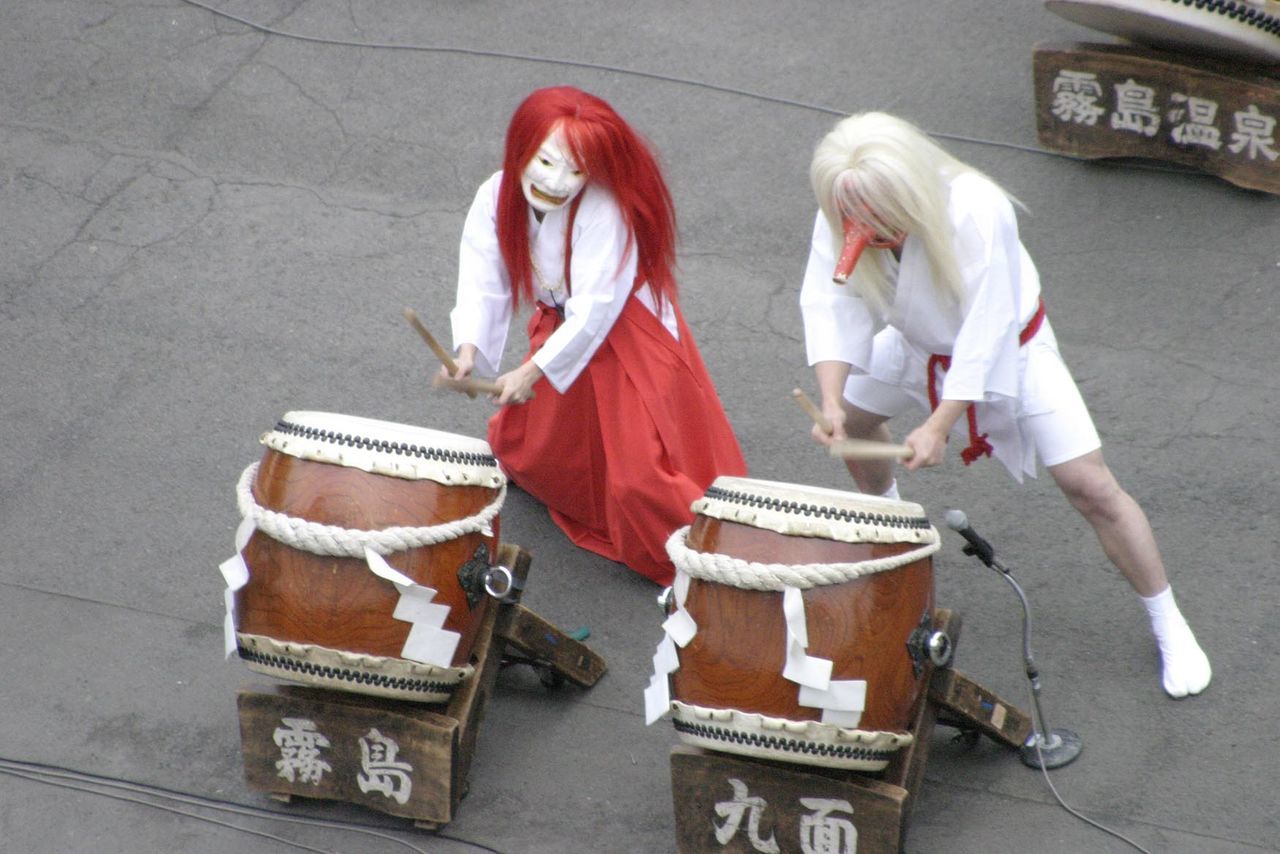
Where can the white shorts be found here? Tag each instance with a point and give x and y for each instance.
(1061, 430)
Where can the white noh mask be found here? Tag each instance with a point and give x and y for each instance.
(552, 178)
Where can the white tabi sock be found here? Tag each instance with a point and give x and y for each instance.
(1186, 667)
(892, 491)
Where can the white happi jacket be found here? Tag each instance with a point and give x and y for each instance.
(602, 273)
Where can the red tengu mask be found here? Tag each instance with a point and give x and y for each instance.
(857, 237)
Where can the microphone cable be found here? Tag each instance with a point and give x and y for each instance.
(1044, 772)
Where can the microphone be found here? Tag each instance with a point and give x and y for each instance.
(1045, 748)
(978, 547)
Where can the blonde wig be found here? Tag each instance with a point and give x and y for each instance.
(888, 173)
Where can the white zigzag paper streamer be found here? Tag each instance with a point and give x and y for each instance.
(428, 642)
(677, 630)
(236, 573)
(841, 700)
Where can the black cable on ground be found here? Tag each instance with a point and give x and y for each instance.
(1039, 728)
(81, 781)
(593, 66)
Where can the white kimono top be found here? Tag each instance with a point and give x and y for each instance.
(1001, 294)
(601, 275)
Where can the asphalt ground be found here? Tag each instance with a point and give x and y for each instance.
(204, 225)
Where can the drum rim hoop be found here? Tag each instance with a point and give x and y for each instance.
(316, 664)
(796, 510)
(837, 497)
(385, 448)
(825, 738)
(378, 429)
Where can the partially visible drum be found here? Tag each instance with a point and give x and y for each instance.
(813, 611)
(367, 568)
(1230, 29)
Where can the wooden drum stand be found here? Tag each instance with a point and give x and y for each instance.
(727, 803)
(399, 757)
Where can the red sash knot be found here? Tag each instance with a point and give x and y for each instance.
(978, 444)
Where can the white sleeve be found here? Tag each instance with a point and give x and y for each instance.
(602, 272)
(984, 358)
(482, 312)
(838, 325)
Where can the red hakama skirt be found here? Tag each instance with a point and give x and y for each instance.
(618, 458)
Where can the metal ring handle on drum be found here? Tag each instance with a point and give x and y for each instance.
(940, 649)
(665, 598)
(508, 583)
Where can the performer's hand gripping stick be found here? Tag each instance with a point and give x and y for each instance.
(810, 407)
(851, 449)
(468, 385)
(1045, 748)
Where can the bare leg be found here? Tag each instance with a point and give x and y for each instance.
(1127, 539)
(1119, 522)
(874, 477)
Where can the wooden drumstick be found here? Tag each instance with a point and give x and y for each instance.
(865, 449)
(469, 385)
(852, 449)
(814, 412)
(441, 354)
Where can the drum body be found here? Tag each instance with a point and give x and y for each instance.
(313, 616)
(865, 575)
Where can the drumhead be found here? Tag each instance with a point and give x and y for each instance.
(1248, 29)
(814, 511)
(386, 448)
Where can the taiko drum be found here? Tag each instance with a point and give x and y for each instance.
(729, 688)
(323, 619)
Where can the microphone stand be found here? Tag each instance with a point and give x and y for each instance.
(1044, 748)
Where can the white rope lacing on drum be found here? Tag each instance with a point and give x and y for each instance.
(334, 541)
(747, 575)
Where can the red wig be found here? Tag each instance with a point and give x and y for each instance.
(614, 157)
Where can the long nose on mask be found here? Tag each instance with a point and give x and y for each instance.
(856, 238)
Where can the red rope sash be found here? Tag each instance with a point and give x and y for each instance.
(978, 444)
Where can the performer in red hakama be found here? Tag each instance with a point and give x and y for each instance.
(612, 420)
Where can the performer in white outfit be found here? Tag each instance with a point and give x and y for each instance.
(942, 309)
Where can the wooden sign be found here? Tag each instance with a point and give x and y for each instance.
(1103, 100)
(382, 754)
(734, 804)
